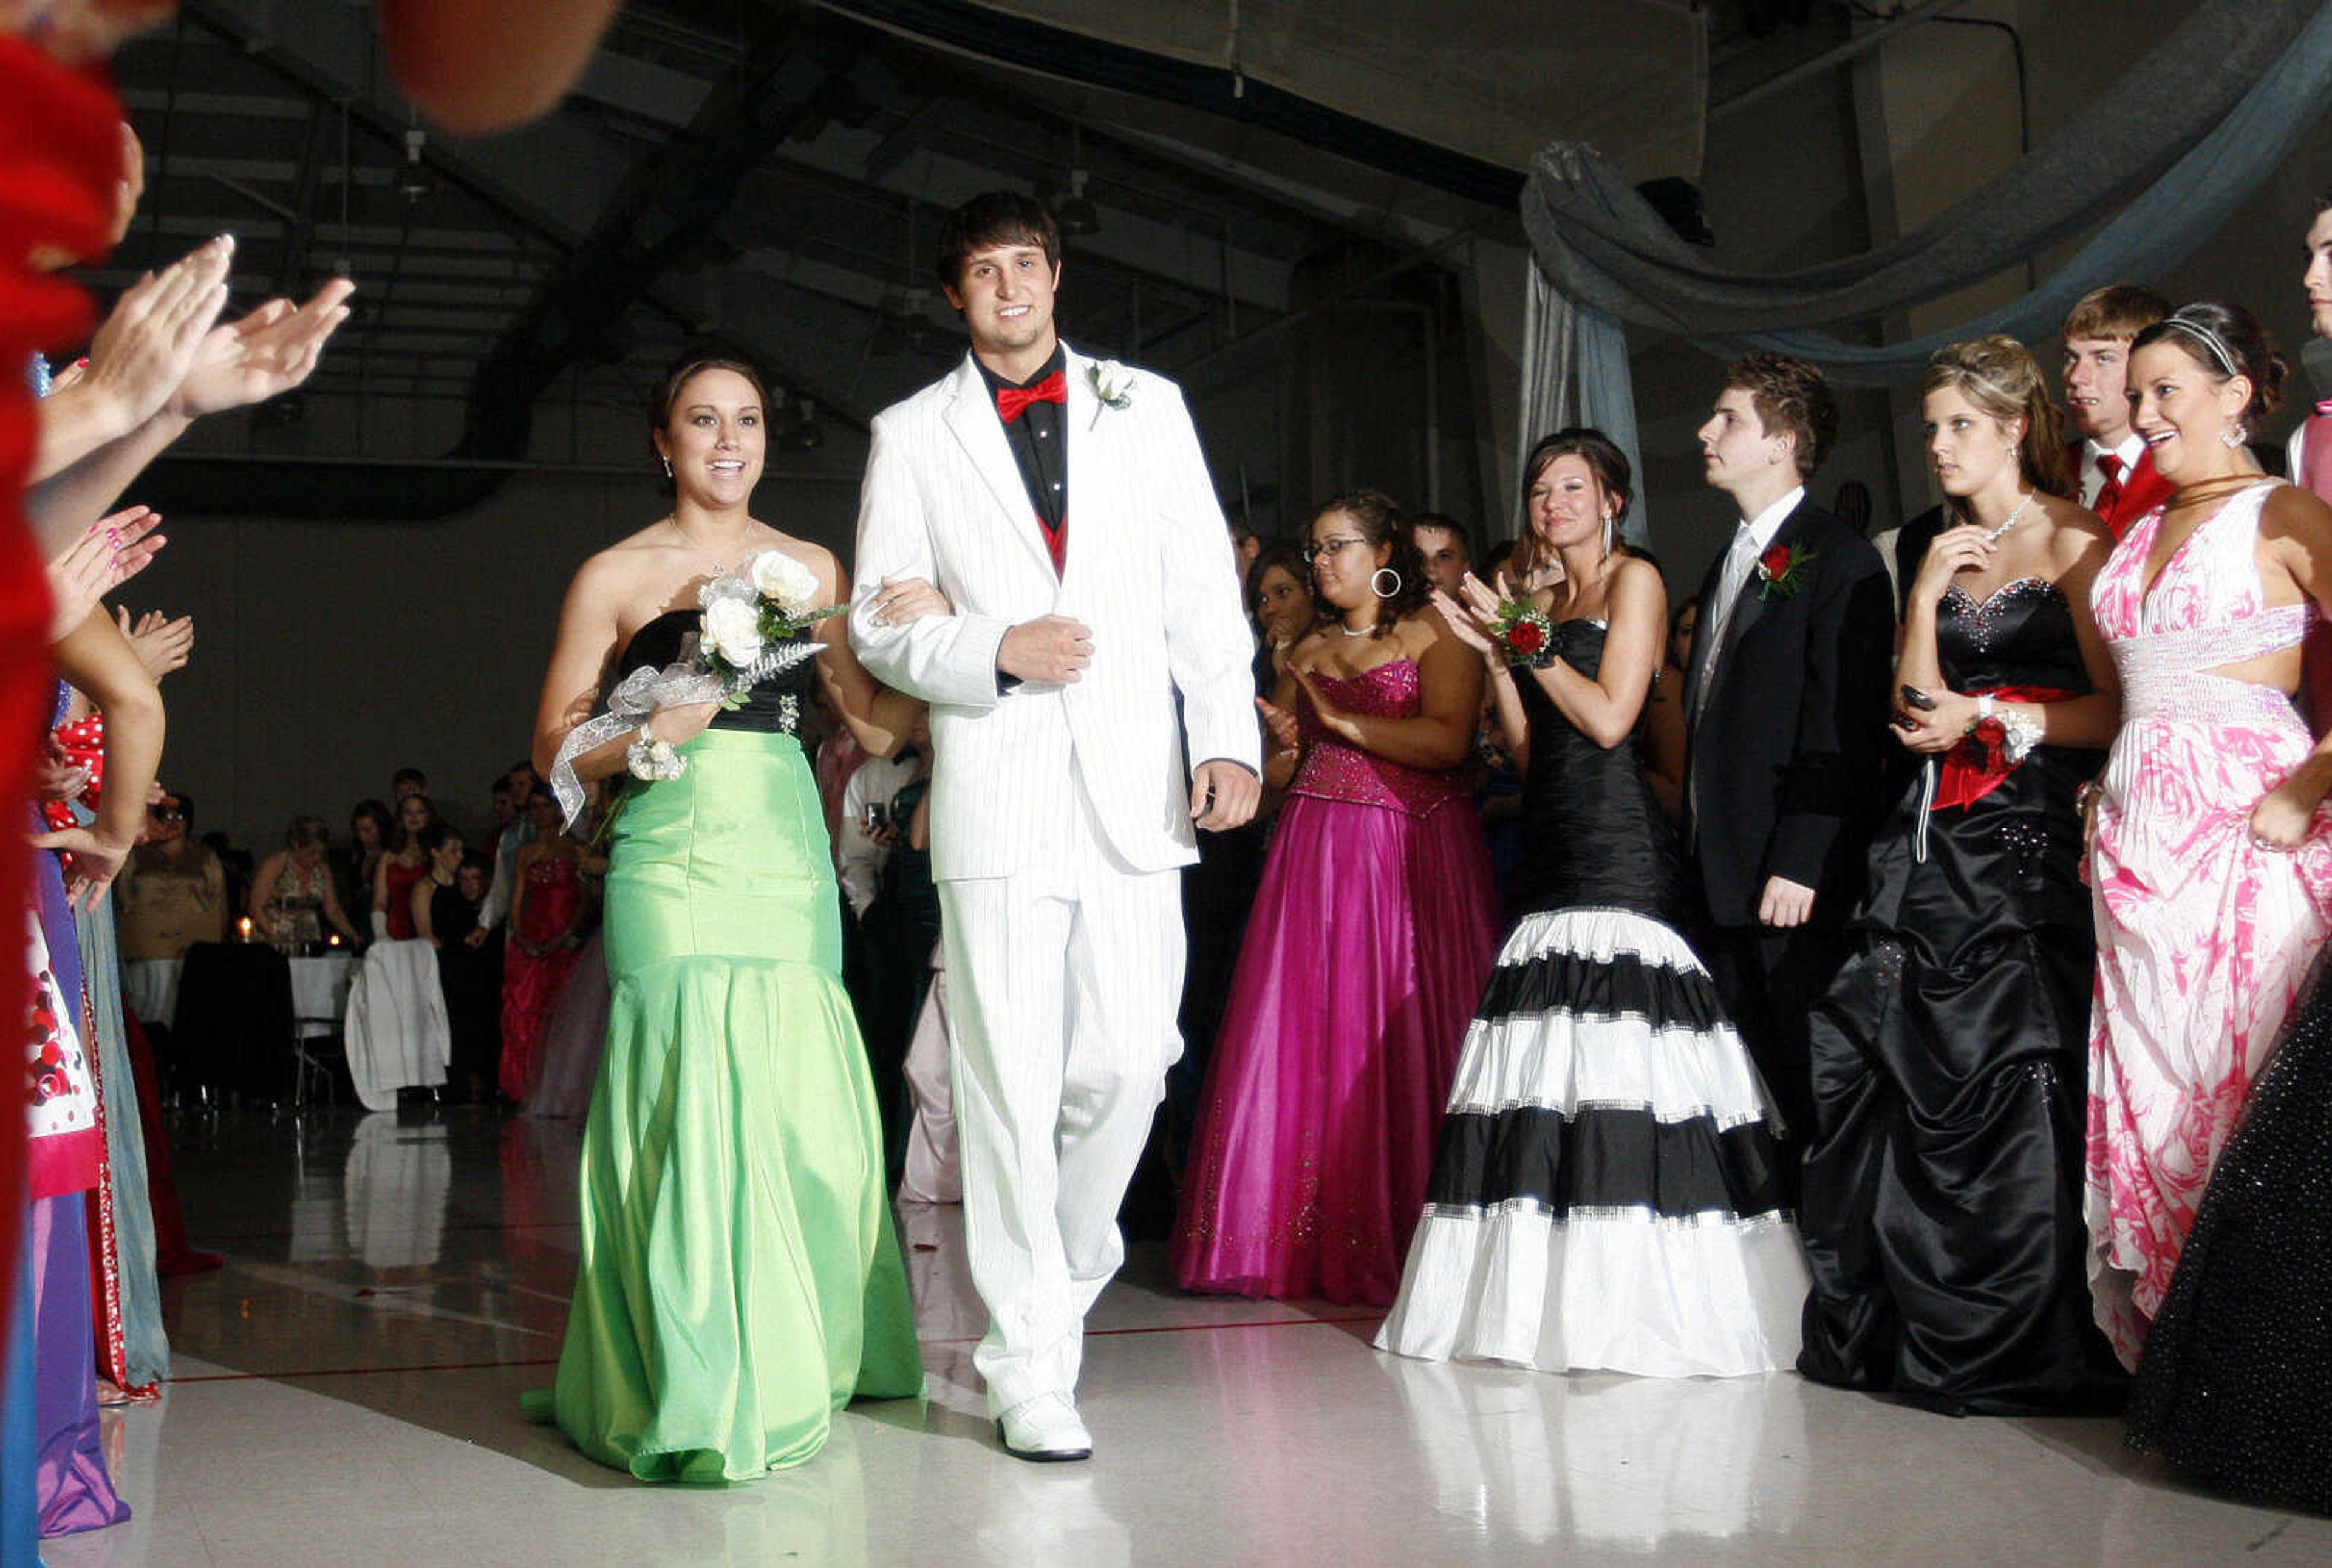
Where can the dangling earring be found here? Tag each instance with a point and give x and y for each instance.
(1376, 582)
(667, 468)
(1610, 519)
(2234, 435)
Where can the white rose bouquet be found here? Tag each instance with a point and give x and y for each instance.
(753, 618)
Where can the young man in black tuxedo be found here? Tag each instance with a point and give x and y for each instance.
(1786, 704)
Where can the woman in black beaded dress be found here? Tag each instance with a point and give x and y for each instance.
(1605, 1196)
(2235, 1384)
(1941, 1205)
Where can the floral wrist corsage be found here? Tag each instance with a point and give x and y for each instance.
(1525, 635)
(652, 760)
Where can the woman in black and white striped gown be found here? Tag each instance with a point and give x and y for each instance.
(1606, 1195)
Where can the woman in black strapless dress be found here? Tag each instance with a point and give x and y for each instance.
(1942, 1204)
(1606, 1195)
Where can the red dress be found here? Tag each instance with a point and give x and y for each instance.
(402, 880)
(532, 984)
(60, 156)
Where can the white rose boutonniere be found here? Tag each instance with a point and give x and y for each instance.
(1113, 385)
(783, 580)
(732, 628)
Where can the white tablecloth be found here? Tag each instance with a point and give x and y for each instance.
(150, 989)
(319, 990)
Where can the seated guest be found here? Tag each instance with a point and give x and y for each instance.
(469, 960)
(292, 898)
(400, 869)
(1446, 547)
(2112, 464)
(1372, 932)
(172, 891)
(1950, 1053)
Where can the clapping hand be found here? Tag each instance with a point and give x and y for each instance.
(112, 550)
(263, 355)
(1338, 722)
(146, 345)
(1286, 734)
(162, 646)
(1467, 625)
(56, 776)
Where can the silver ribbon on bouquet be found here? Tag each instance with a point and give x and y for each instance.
(636, 699)
(640, 695)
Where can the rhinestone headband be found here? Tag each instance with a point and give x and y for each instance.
(2207, 337)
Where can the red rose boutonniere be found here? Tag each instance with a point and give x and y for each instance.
(1781, 569)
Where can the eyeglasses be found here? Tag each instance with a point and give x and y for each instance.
(1329, 547)
(166, 813)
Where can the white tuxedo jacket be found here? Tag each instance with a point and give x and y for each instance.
(1149, 573)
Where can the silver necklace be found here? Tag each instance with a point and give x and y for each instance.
(2013, 517)
(701, 553)
(1363, 632)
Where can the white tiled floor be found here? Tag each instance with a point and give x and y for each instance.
(346, 1392)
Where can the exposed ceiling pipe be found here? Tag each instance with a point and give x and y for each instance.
(1861, 43)
(663, 217)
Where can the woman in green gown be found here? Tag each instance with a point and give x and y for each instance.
(738, 1278)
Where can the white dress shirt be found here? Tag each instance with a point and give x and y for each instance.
(2093, 478)
(1750, 540)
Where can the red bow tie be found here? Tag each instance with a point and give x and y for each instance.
(1011, 400)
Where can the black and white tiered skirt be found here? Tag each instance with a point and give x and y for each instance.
(1606, 1196)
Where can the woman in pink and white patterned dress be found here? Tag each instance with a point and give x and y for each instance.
(2211, 861)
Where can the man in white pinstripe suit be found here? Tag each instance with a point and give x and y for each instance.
(1086, 597)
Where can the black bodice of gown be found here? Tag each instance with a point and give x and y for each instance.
(2023, 635)
(661, 641)
(1593, 833)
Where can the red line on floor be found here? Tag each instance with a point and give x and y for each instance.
(356, 1371)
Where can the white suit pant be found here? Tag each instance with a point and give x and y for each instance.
(1062, 985)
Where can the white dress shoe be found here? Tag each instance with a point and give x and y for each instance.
(1044, 1430)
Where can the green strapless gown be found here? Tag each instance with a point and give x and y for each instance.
(739, 1279)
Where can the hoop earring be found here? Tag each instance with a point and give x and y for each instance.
(1376, 580)
(2234, 435)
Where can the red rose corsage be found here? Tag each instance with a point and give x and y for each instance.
(1525, 635)
(1781, 569)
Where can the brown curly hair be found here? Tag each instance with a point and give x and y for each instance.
(1378, 518)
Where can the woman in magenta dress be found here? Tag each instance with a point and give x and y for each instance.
(2209, 863)
(546, 918)
(1372, 933)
